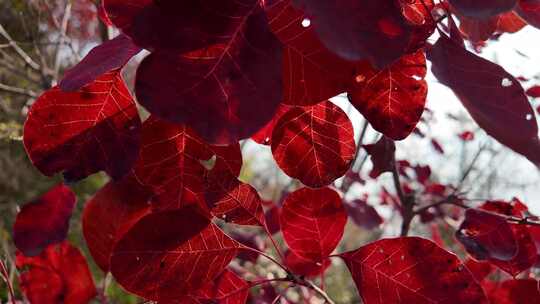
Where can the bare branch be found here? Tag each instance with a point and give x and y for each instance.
(29, 61)
(16, 90)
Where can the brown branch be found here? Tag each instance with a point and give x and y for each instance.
(29, 61)
(16, 90)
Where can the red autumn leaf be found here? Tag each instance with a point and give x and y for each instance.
(313, 221)
(272, 219)
(314, 144)
(109, 214)
(228, 160)
(422, 173)
(364, 29)
(80, 133)
(59, 275)
(167, 255)
(44, 221)
(514, 292)
(234, 201)
(311, 73)
(411, 270)
(392, 99)
(530, 11)
(487, 235)
(382, 156)
(480, 270)
(467, 136)
(251, 240)
(533, 92)
(108, 56)
(478, 30)
(437, 146)
(225, 92)
(264, 135)
(510, 22)
(363, 215)
(304, 267)
(493, 97)
(227, 288)
(482, 9)
(170, 164)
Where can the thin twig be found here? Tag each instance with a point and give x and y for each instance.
(16, 90)
(5, 275)
(29, 61)
(63, 30)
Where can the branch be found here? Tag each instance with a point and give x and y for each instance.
(16, 90)
(18, 49)
(63, 30)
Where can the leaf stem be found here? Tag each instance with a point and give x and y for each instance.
(281, 256)
(5, 275)
(269, 257)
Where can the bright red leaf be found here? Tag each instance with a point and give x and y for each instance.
(170, 164)
(411, 270)
(519, 291)
(487, 235)
(480, 270)
(482, 9)
(314, 144)
(108, 56)
(304, 267)
(534, 91)
(264, 135)
(392, 99)
(80, 133)
(530, 11)
(167, 255)
(109, 214)
(493, 97)
(225, 92)
(227, 288)
(59, 275)
(44, 221)
(312, 222)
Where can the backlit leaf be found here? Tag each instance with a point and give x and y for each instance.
(482, 9)
(80, 133)
(314, 144)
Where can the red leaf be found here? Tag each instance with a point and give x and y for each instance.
(362, 29)
(313, 221)
(311, 73)
(480, 270)
(234, 201)
(314, 144)
(44, 221)
(437, 146)
(59, 275)
(363, 215)
(493, 97)
(108, 56)
(167, 255)
(467, 136)
(382, 156)
(264, 135)
(514, 292)
(534, 92)
(170, 164)
(225, 92)
(392, 99)
(80, 133)
(487, 235)
(482, 9)
(478, 30)
(109, 214)
(228, 160)
(227, 288)
(411, 270)
(530, 11)
(272, 219)
(304, 267)
(510, 22)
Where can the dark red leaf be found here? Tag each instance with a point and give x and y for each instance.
(437, 146)
(493, 97)
(228, 160)
(514, 292)
(510, 22)
(487, 235)
(108, 56)
(80, 133)
(44, 221)
(482, 9)
(314, 144)
(170, 164)
(478, 30)
(251, 240)
(304, 267)
(382, 156)
(411, 270)
(167, 255)
(362, 29)
(534, 92)
(313, 221)
(423, 173)
(59, 275)
(272, 219)
(530, 11)
(363, 215)
(225, 92)
(109, 214)
(392, 99)
(234, 201)
(311, 73)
